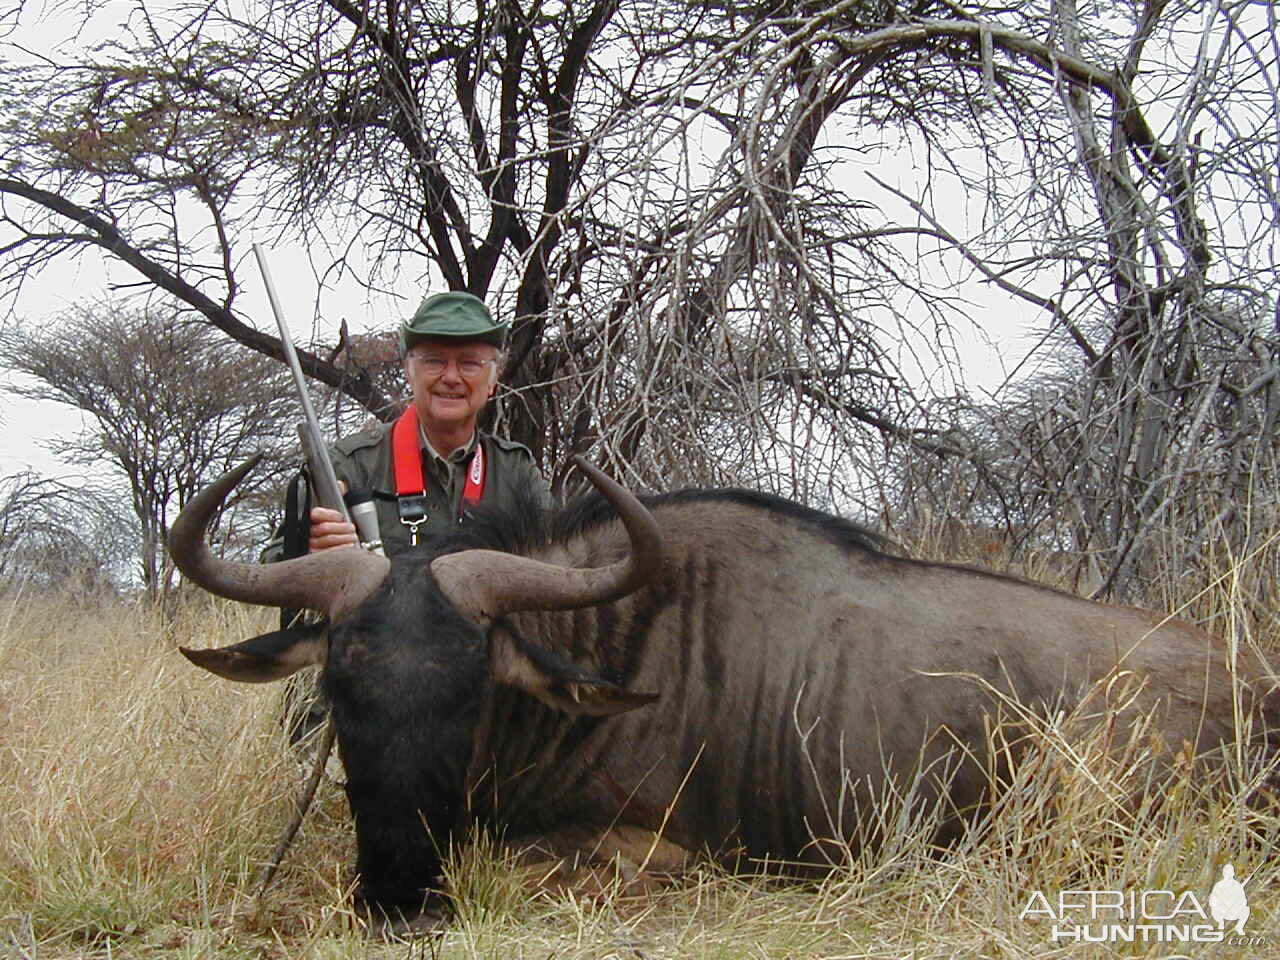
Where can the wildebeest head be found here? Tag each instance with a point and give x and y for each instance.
(406, 661)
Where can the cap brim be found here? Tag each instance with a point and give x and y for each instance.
(496, 336)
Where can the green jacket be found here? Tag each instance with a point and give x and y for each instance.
(363, 461)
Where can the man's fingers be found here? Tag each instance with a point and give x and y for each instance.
(327, 541)
(329, 530)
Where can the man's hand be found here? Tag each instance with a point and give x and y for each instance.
(329, 530)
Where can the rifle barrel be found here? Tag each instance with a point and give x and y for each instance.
(323, 476)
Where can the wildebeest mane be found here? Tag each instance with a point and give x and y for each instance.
(523, 526)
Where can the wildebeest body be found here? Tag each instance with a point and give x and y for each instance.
(792, 660)
(771, 620)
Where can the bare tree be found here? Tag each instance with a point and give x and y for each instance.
(171, 406)
(632, 183)
(58, 534)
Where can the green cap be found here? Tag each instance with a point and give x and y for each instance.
(455, 315)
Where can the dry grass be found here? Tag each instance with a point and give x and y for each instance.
(140, 797)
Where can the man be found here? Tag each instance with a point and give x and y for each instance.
(425, 470)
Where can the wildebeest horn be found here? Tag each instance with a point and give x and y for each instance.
(331, 581)
(484, 584)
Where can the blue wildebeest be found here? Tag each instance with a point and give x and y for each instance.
(717, 667)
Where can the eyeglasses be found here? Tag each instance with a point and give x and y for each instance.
(468, 367)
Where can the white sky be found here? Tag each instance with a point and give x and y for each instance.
(25, 424)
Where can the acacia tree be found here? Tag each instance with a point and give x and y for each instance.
(170, 408)
(637, 185)
(671, 200)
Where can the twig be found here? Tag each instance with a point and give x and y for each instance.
(303, 804)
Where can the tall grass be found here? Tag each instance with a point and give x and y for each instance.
(140, 797)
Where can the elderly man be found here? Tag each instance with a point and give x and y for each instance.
(425, 470)
(428, 467)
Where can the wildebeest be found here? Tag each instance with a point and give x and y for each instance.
(717, 667)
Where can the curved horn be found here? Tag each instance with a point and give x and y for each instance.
(485, 584)
(331, 581)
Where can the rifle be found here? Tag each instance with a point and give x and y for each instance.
(323, 477)
(328, 494)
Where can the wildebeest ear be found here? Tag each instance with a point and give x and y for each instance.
(555, 681)
(271, 656)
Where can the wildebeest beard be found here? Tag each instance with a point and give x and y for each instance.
(405, 676)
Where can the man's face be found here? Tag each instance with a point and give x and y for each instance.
(451, 381)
